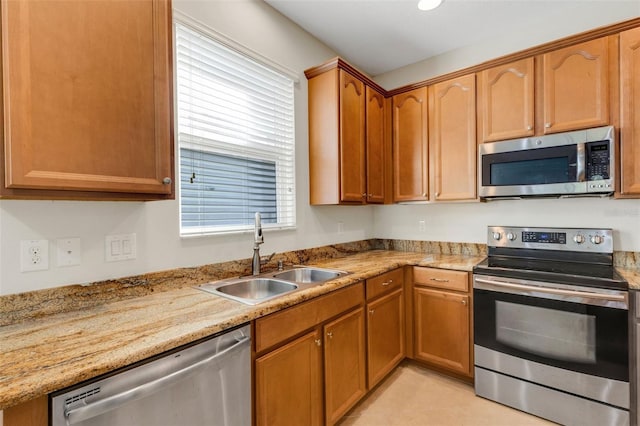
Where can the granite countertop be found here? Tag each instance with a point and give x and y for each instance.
(45, 354)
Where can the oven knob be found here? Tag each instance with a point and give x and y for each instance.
(596, 239)
(497, 236)
(578, 239)
(511, 236)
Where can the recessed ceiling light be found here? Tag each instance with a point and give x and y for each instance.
(429, 4)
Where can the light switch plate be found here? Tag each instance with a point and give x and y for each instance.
(120, 247)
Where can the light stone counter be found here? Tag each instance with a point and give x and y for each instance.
(41, 352)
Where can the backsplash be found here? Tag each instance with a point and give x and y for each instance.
(16, 308)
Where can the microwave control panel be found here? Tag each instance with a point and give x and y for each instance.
(598, 160)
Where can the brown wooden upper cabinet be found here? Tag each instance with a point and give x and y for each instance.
(630, 111)
(410, 149)
(452, 139)
(506, 101)
(576, 85)
(87, 110)
(347, 137)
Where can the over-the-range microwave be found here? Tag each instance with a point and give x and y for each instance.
(574, 163)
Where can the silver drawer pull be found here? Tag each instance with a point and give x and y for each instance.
(386, 283)
(440, 280)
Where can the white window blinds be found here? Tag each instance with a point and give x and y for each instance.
(235, 133)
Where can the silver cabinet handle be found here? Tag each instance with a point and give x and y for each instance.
(386, 283)
(96, 408)
(547, 125)
(318, 342)
(330, 335)
(166, 181)
(371, 311)
(464, 302)
(439, 280)
(529, 127)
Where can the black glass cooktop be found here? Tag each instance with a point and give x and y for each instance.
(561, 268)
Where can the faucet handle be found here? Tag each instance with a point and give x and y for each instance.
(258, 238)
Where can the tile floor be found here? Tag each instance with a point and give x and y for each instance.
(415, 396)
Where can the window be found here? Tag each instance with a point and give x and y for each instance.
(235, 136)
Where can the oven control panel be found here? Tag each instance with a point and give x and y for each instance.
(592, 240)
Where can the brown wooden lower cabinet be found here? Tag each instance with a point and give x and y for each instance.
(385, 335)
(344, 364)
(442, 329)
(288, 383)
(30, 413)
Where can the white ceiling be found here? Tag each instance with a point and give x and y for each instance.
(378, 36)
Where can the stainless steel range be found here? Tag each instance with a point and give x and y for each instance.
(551, 325)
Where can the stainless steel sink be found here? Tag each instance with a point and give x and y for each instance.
(257, 289)
(308, 274)
(251, 290)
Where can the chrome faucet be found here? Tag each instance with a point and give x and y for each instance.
(257, 240)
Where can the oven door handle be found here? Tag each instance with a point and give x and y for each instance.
(558, 291)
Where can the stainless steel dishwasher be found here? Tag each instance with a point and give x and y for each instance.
(208, 383)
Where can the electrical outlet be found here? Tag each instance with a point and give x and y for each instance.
(422, 226)
(34, 255)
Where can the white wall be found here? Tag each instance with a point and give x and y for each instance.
(467, 222)
(258, 27)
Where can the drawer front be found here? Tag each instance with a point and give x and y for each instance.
(282, 325)
(384, 283)
(441, 278)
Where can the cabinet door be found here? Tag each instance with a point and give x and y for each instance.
(452, 130)
(442, 329)
(377, 155)
(344, 364)
(410, 151)
(88, 108)
(288, 384)
(506, 101)
(352, 134)
(630, 110)
(576, 86)
(385, 335)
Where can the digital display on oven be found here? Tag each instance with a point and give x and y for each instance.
(544, 237)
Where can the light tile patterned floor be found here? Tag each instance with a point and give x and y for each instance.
(415, 396)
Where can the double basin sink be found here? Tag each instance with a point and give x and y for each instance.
(261, 288)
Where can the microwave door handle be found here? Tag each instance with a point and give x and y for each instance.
(96, 408)
(581, 162)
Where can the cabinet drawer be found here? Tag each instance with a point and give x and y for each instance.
(384, 283)
(280, 326)
(441, 278)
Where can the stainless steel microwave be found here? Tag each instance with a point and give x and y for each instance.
(564, 164)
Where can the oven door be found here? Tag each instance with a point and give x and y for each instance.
(546, 333)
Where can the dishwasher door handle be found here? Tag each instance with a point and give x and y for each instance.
(101, 406)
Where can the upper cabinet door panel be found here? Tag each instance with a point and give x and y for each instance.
(352, 134)
(452, 127)
(376, 147)
(576, 86)
(87, 95)
(630, 110)
(506, 101)
(410, 152)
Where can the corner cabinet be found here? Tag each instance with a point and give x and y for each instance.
(452, 139)
(506, 101)
(87, 110)
(442, 319)
(576, 85)
(630, 111)
(410, 148)
(347, 137)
